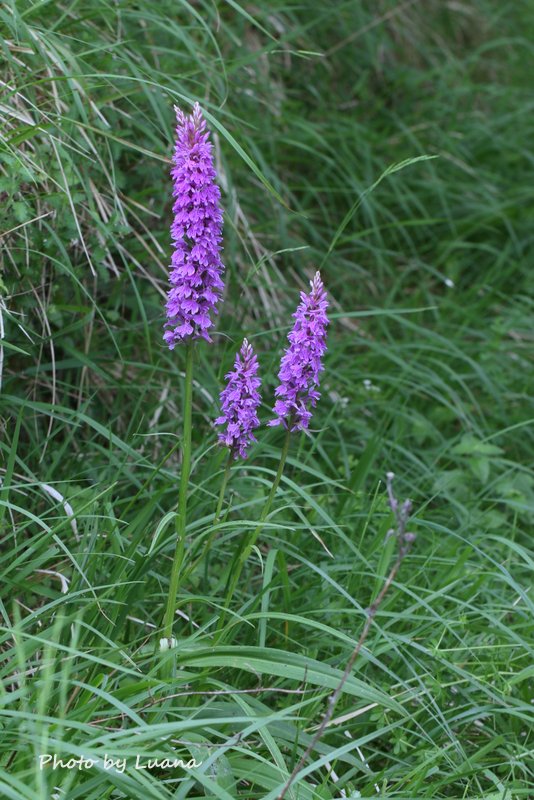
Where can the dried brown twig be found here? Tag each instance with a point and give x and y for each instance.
(210, 693)
(405, 539)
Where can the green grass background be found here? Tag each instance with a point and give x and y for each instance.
(428, 373)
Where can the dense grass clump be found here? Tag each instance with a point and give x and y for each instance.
(389, 145)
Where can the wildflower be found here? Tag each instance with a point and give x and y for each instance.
(302, 360)
(239, 402)
(196, 268)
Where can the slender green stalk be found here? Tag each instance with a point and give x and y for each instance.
(249, 544)
(182, 496)
(206, 549)
(218, 510)
(222, 491)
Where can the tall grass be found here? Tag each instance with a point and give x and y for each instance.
(428, 374)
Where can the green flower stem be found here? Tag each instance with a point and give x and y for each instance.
(182, 496)
(247, 548)
(222, 492)
(206, 549)
(218, 510)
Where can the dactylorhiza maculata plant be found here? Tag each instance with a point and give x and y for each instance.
(297, 394)
(195, 288)
(196, 267)
(302, 361)
(240, 400)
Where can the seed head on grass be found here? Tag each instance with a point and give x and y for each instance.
(240, 400)
(196, 269)
(302, 360)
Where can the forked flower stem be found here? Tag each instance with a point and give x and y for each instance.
(251, 541)
(181, 517)
(405, 541)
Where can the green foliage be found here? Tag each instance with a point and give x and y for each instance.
(315, 108)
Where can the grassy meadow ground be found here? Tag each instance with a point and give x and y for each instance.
(428, 374)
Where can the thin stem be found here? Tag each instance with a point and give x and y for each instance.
(207, 547)
(405, 541)
(182, 496)
(221, 493)
(192, 565)
(247, 548)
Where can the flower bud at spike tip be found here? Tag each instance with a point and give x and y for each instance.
(196, 268)
(240, 400)
(302, 360)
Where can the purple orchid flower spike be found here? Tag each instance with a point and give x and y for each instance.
(240, 400)
(196, 269)
(302, 360)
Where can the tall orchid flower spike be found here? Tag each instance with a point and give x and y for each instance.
(302, 361)
(195, 289)
(196, 269)
(240, 400)
(296, 395)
